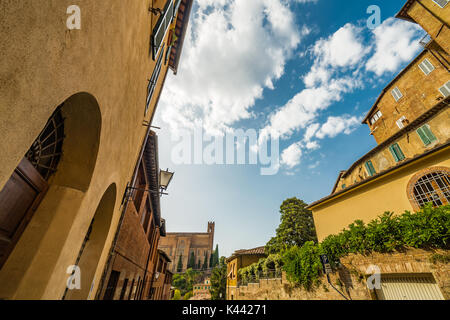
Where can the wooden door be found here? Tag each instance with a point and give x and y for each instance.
(19, 199)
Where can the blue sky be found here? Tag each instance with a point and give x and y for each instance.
(303, 71)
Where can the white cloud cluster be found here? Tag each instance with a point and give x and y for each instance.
(394, 43)
(233, 50)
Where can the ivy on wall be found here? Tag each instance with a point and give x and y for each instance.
(427, 229)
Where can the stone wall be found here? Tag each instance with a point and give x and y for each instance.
(351, 278)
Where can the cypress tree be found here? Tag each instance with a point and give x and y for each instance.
(205, 262)
(180, 264)
(191, 263)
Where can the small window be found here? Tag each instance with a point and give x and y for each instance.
(426, 135)
(397, 152)
(441, 3)
(445, 89)
(397, 94)
(370, 168)
(344, 186)
(376, 117)
(400, 122)
(426, 66)
(160, 30)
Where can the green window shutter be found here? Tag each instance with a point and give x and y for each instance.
(423, 136)
(428, 133)
(394, 154)
(397, 153)
(370, 169)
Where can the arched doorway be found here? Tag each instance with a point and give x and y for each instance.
(44, 194)
(93, 245)
(430, 186)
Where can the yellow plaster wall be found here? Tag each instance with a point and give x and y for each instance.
(43, 63)
(367, 202)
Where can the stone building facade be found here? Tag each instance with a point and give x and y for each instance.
(240, 259)
(409, 275)
(75, 109)
(410, 166)
(179, 245)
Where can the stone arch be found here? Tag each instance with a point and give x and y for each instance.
(45, 233)
(416, 177)
(93, 245)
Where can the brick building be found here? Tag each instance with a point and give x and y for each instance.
(179, 245)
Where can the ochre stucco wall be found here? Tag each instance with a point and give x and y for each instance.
(367, 202)
(416, 100)
(410, 144)
(43, 64)
(428, 15)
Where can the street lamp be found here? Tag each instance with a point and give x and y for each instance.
(164, 179)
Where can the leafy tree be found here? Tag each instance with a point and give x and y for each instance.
(295, 229)
(177, 295)
(219, 281)
(180, 263)
(191, 263)
(184, 282)
(188, 295)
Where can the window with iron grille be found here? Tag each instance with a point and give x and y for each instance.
(153, 81)
(432, 188)
(161, 28)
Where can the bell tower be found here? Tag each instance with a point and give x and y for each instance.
(211, 228)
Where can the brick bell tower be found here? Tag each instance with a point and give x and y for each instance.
(211, 227)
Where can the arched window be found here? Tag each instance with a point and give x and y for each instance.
(431, 186)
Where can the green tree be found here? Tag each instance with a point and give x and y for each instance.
(216, 256)
(177, 295)
(191, 263)
(219, 281)
(180, 264)
(295, 229)
(205, 262)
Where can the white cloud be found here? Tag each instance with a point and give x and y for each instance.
(343, 49)
(232, 52)
(396, 42)
(291, 156)
(338, 125)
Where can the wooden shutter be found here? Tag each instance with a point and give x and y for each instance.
(370, 168)
(397, 152)
(426, 135)
(19, 199)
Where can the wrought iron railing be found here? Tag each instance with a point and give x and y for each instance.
(261, 275)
